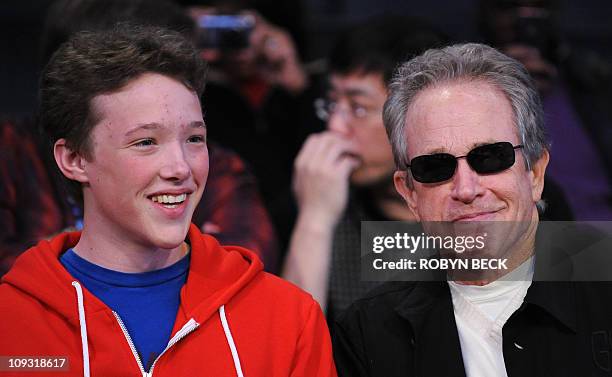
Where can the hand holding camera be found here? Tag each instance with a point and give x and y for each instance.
(255, 45)
(277, 58)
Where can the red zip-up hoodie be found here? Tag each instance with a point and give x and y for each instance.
(233, 320)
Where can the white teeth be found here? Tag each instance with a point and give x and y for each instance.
(169, 199)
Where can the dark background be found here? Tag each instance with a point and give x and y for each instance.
(585, 23)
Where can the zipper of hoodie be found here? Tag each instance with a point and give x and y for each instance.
(130, 343)
(190, 326)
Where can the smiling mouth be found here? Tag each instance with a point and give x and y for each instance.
(474, 216)
(169, 201)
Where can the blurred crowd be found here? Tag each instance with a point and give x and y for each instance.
(298, 151)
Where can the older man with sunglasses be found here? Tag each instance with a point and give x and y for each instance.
(466, 128)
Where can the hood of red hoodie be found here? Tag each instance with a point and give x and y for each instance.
(216, 274)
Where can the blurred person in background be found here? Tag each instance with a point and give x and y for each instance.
(259, 90)
(36, 204)
(33, 205)
(344, 175)
(576, 89)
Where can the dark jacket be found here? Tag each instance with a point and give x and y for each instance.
(408, 329)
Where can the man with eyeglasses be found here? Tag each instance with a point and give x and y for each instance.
(467, 131)
(344, 175)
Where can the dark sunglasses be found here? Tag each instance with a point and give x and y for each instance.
(485, 159)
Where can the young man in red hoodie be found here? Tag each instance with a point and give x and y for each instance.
(140, 291)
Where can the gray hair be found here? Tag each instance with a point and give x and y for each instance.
(470, 61)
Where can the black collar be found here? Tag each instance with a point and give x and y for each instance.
(417, 303)
(428, 308)
(557, 298)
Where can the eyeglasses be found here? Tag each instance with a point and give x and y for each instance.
(485, 159)
(324, 109)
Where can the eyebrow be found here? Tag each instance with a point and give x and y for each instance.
(154, 126)
(352, 92)
(357, 92)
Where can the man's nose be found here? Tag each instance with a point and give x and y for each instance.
(339, 122)
(175, 165)
(466, 183)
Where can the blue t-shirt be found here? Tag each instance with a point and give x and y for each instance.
(147, 302)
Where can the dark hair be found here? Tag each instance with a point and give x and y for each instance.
(93, 63)
(379, 45)
(66, 17)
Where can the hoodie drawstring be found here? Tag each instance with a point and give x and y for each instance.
(230, 341)
(84, 345)
(83, 324)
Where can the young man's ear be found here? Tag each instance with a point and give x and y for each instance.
(71, 163)
(406, 190)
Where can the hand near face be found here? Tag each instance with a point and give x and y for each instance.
(271, 54)
(321, 176)
(278, 61)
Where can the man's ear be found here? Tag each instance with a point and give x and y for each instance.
(71, 163)
(538, 169)
(406, 190)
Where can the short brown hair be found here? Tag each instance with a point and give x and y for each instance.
(94, 63)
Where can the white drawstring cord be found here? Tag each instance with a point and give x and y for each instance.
(84, 345)
(230, 341)
(83, 323)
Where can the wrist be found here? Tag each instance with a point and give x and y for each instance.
(317, 222)
(294, 79)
